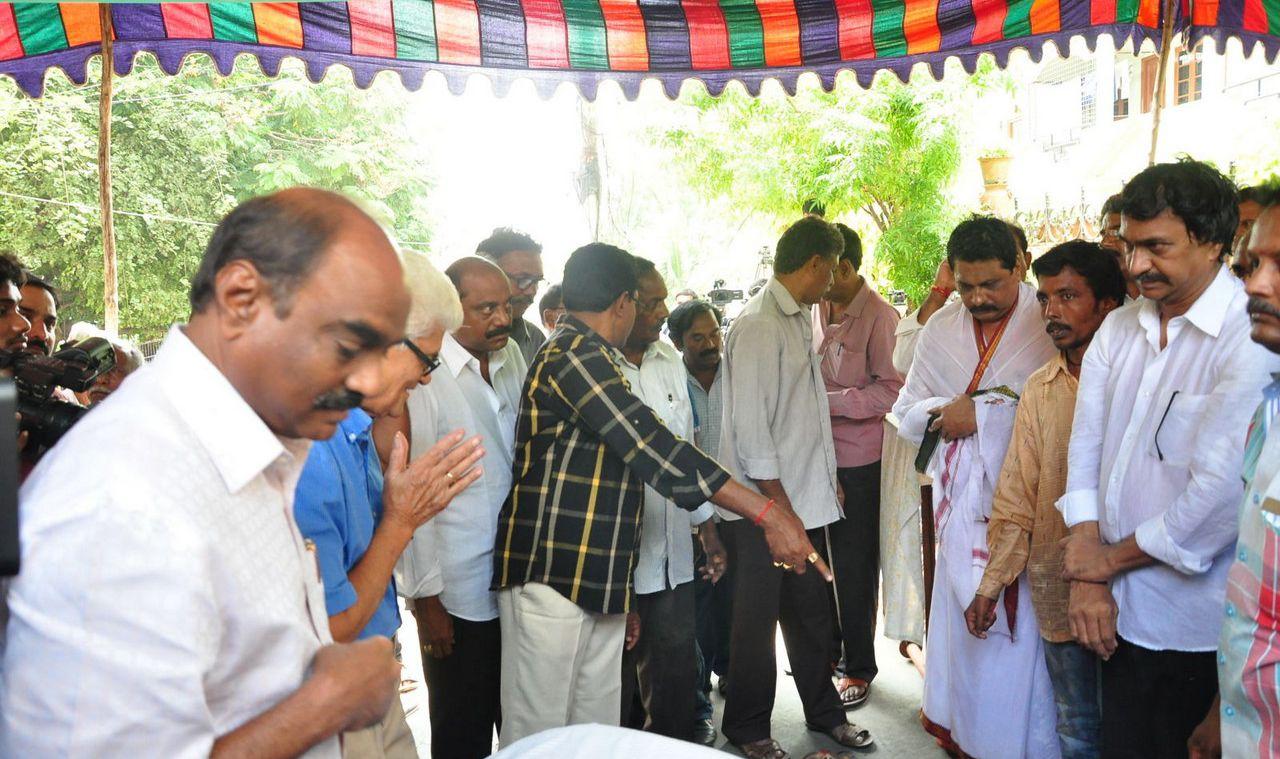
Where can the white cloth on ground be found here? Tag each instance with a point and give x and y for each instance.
(595, 741)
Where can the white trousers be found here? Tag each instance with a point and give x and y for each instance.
(389, 739)
(561, 665)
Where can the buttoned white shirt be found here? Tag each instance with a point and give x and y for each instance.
(666, 546)
(451, 556)
(1156, 450)
(166, 596)
(776, 423)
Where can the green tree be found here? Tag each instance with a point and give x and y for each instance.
(186, 149)
(887, 153)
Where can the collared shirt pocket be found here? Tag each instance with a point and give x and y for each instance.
(1173, 441)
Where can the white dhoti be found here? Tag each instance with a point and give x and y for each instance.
(993, 695)
(901, 565)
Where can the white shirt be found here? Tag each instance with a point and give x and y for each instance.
(776, 422)
(947, 356)
(166, 595)
(666, 545)
(451, 556)
(1178, 492)
(906, 335)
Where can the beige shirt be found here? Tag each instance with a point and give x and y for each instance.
(1025, 526)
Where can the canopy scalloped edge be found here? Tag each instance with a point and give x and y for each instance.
(29, 74)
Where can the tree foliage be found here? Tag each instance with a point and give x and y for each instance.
(186, 149)
(887, 153)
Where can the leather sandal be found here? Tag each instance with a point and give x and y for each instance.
(846, 734)
(853, 691)
(763, 749)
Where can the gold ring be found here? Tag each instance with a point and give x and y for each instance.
(449, 475)
(787, 567)
(813, 557)
(778, 564)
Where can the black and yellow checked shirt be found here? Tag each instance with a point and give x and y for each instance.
(585, 448)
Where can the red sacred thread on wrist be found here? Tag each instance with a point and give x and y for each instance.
(944, 292)
(760, 517)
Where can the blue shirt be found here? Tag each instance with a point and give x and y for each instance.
(338, 504)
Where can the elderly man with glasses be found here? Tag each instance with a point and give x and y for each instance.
(447, 571)
(358, 519)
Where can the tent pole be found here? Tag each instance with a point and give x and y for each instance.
(1166, 50)
(110, 293)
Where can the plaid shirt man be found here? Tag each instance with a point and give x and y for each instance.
(585, 448)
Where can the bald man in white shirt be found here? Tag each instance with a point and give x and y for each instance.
(168, 605)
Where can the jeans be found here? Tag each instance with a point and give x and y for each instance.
(704, 709)
(1073, 671)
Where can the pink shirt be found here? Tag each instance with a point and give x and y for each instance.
(857, 366)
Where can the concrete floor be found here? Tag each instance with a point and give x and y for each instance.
(891, 714)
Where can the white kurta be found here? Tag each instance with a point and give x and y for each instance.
(993, 695)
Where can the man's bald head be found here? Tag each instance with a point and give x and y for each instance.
(296, 301)
(283, 236)
(472, 266)
(485, 293)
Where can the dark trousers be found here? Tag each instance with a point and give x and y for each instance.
(663, 667)
(852, 550)
(714, 611)
(765, 597)
(1153, 700)
(463, 691)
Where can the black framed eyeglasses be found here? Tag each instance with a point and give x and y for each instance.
(429, 363)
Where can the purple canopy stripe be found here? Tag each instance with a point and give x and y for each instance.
(589, 41)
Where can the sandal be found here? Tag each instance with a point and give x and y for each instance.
(846, 734)
(853, 691)
(763, 749)
(825, 754)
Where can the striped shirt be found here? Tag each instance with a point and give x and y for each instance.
(585, 448)
(1249, 646)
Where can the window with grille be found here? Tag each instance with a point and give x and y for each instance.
(1088, 100)
(1189, 76)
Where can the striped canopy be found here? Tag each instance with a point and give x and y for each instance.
(587, 41)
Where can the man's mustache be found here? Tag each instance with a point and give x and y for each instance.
(521, 300)
(1151, 277)
(338, 400)
(497, 332)
(983, 309)
(709, 353)
(1051, 326)
(1260, 306)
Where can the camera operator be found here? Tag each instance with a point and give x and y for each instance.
(167, 604)
(13, 325)
(39, 306)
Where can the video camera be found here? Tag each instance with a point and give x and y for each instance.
(74, 367)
